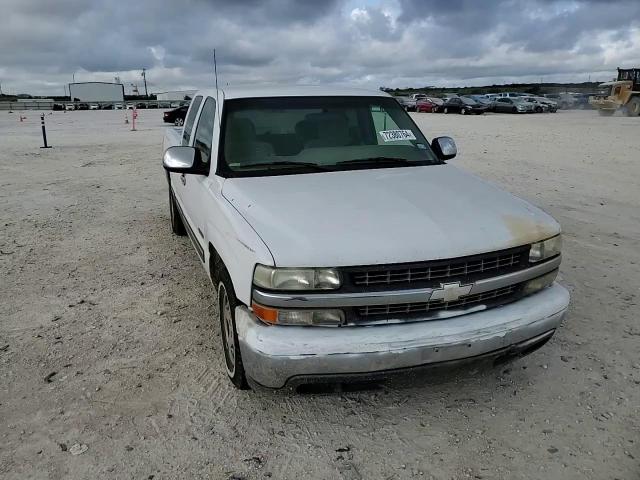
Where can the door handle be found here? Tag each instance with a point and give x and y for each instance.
(183, 179)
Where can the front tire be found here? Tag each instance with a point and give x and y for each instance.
(227, 303)
(177, 225)
(633, 107)
(463, 111)
(446, 110)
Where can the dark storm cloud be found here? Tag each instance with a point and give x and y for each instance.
(367, 42)
(536, 25)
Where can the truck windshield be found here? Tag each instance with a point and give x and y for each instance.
(290, 135)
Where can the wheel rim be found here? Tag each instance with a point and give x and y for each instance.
(228, 339)
(464, 111)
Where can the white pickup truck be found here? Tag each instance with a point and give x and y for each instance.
(344, 245)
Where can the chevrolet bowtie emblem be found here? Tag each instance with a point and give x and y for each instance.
(450, 292)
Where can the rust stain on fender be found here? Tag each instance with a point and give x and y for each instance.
(526, 230)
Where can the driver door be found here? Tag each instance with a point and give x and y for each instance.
(196, 186)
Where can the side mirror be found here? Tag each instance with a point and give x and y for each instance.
(180, 159)
(444, 147)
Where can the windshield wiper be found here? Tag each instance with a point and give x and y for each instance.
(272, 165)
(377, 160)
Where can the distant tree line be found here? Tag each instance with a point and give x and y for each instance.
(532, 88)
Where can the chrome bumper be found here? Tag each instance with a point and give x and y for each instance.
(275, 355)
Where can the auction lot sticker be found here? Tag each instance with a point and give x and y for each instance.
(397, 135)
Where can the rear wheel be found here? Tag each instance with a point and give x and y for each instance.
(227, 304)
(179, 122)
(177, 226)
(633, 107)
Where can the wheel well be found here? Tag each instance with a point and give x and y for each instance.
(216, 265)
(215, 262)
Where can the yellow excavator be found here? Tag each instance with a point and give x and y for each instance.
(624, 93)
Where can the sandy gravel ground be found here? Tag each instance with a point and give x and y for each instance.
(110, 356)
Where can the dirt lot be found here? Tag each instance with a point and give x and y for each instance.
(109, 336)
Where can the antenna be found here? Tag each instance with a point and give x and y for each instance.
(215, 68)
(215, 72)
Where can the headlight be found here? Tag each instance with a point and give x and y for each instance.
(296, 278)
(546, 249)
(539, 283)
(276, 316)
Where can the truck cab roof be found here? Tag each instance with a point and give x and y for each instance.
(291, 91)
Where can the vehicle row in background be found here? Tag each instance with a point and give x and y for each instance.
(507, 102)
(69, 106)
(479, 104)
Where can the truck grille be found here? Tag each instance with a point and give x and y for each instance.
(495, 263)
(492, 298)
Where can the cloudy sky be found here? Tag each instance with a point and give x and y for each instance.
(394, 43)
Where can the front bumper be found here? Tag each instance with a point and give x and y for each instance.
(274, 356)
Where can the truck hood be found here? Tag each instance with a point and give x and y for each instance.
(378, 216)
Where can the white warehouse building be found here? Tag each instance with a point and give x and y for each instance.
(96, 92)
(176, 95)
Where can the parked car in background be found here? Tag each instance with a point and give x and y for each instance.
(581, 100)
(542, 104)
(175, 116)
(537, 106)
(141, 105)
(106, 106)
(428, 105)
(564, 100)
(463, 105)
(483, 99)
(117, 106)
(69, 106)
(512, 105)
(511, 95)
(94, 106)
(408, 103)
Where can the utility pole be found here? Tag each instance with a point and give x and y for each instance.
(144, 77)
(73, 77)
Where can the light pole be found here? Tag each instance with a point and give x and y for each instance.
(144, 77)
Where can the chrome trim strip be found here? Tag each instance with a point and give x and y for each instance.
(387, 297)
(327, 300)
(494, 283)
